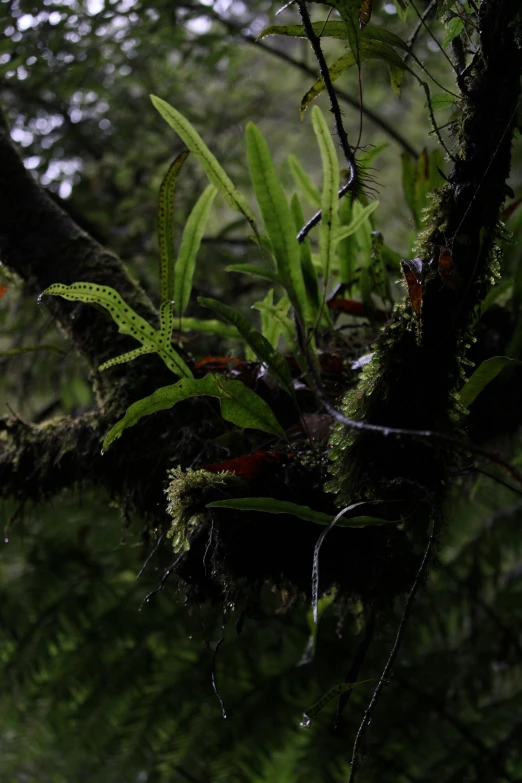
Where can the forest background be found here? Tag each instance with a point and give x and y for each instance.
(101, 684)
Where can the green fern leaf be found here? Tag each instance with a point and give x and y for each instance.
(213, 169)
(261, 347)
(166, 227)
(329, 228)
(127, 320)
(278, 220)
(239, 405)
(190, 243)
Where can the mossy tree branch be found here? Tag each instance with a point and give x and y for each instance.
(42, 245)
(418, 366)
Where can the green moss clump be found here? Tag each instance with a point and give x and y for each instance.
(188, 493)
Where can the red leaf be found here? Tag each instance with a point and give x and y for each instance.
(447, 270)
(216, 362)
(3, 289)
(330, 363)
(249, 466)
(413, 274)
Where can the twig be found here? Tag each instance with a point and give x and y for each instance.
(492, 476)
(302, 66)
(423, 23)
(433, 122)
(411, 42)
(464, 448)
(352, 675)
(395, 649)
(317, 217)
(213, 675)
(164, 578)
(150, 556)
(334, 103)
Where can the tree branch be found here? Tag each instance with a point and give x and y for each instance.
(377, 120)
(43, 245)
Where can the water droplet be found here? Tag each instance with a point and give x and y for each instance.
(39, 300)
(102, 452)
(305, 723)
(6, 540)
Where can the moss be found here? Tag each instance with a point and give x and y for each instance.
(188, 493)
(419, 365)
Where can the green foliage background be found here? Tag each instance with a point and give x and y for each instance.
(100, 686)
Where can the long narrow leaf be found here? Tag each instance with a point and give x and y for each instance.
(279, 322)
(349, 11)
(309, 271)
(256, 271)
(347, 248)
(209, 326)
(212, 167)
(278, 220)
(270, 329)
(166, 227)
(324, 29)
(315, 565)
(190, 243)
(483, 375)
(274, 506)
(329, 228)
(365, 212)
(261, 347)
(239, 405)
(378, 33)
(368, 49)
(125, 357)
(337, 68)
(304, 183)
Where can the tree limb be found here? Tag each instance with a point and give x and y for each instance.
(43, 245)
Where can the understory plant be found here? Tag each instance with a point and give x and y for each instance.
(354, 427)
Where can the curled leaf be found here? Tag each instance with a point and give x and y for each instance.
(365, 13)
(447, 269)
(413, 273)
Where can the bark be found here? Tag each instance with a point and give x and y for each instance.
(419, 364)
(43, 245)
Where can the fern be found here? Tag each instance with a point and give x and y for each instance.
(128, 322)
(175, 280)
